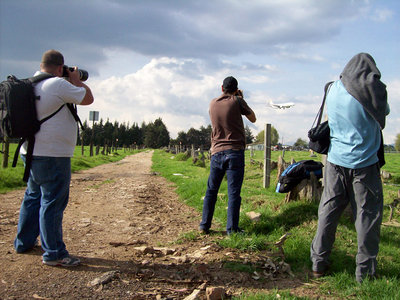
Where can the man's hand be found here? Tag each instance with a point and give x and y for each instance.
(74, 76)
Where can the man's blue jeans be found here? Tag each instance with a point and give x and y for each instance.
(42, 208)
(230, 162)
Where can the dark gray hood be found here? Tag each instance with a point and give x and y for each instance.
(361, 78)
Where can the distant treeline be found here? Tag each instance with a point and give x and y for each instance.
(152, 135)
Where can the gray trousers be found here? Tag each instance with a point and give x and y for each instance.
(363, 188)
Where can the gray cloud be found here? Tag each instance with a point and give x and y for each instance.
(186, 29)
(171, 56)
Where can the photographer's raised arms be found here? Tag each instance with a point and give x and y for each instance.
(47, 191)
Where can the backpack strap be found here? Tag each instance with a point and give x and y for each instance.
(40, 77)
(29, 155)
(51, 115)
(30, 140)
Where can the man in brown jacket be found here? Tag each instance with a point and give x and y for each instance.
(228, 143)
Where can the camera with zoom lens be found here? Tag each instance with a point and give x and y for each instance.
(83, 74)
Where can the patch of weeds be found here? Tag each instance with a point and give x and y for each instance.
(237, 266)
(182, 156)
(275, 294)
(245, 242)
(96, 186)
(83, 164)
(187, 237)
(396, 179)
(199, 162)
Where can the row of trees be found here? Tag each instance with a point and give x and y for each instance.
(151, 135)
(156, 135)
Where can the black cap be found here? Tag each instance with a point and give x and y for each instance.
(53, 57)
(230, 84)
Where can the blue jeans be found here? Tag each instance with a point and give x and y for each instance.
(43, 206)
(230, 162)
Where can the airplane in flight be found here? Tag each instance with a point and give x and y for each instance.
(281, 105)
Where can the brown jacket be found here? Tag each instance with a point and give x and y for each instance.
(227, 123)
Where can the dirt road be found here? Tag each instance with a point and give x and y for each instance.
(135, 238)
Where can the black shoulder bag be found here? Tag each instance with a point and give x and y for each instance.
(320, 134)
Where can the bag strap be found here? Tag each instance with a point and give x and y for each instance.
(321, 110)
(74, 111)
(238, 101)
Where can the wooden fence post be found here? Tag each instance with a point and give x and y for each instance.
(6, 151)
(82, 146)
(267, 155)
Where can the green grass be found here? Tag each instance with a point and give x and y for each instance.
(11, 178)
(275, 294)
(299, 218)
(187, 237)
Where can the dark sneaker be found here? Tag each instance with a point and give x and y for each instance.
(68, 261)
(204, 231)
(238, 231)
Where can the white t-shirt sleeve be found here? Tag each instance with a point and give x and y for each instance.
(70, 93)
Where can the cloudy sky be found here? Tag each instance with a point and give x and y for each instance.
(160, 58)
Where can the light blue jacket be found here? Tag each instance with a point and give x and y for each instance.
(355, 134)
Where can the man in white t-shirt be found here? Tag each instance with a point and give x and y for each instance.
(47, 191)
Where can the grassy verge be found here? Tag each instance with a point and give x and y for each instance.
(11, 178)
(300, 219)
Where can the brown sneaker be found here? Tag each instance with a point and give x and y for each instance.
(317, 274)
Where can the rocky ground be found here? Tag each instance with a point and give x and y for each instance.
(136, 240)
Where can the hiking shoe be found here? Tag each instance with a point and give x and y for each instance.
(68, 261)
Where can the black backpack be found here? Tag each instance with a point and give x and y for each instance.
(296, 172)
(18, 113)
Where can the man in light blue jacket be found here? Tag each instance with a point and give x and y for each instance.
(356, 107)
